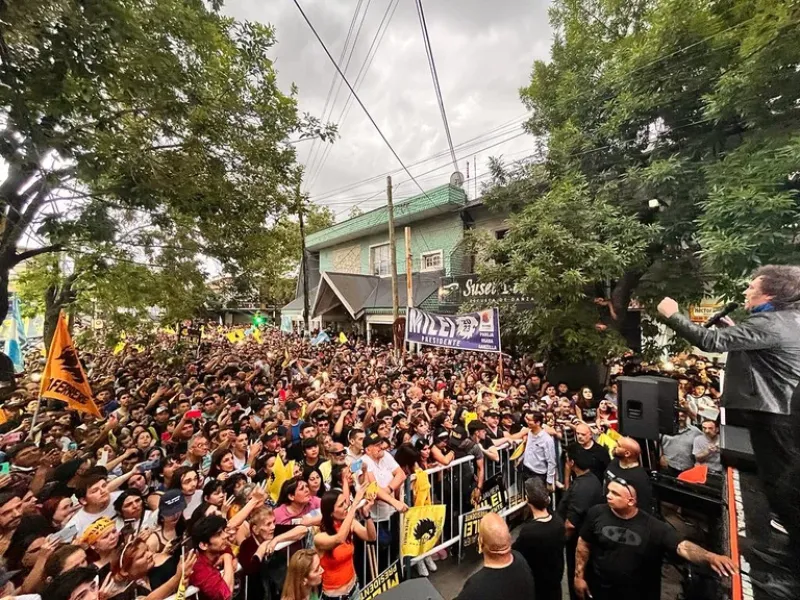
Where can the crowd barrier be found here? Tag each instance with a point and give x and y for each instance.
(451, 485)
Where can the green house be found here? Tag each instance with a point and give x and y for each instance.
(349, 264)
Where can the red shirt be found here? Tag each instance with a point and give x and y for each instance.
(208, 580)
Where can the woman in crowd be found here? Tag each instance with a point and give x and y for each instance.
(222, 464)
(335, 541)
(101, 539)
(256, 552)
(295, 504)
(313, 477)
(58, 510)
(130, 574)
(303, 576)
(63, 559)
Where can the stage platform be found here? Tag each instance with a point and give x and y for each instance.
(747, 524)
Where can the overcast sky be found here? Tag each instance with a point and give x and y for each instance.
(483, 50)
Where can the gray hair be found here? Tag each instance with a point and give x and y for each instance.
(782, 283)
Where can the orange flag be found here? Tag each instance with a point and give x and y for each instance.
(63, 378)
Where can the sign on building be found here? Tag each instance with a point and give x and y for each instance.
(470, 288)
(479, 331)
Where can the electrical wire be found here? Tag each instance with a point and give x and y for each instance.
(377, 39)
(334, 78)
(355, 95)
(435, 78)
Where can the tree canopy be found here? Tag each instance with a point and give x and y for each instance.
(148, 131)
(670, 165)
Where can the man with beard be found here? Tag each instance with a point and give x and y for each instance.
(10, 517)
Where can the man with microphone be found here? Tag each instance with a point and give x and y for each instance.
(762, 373)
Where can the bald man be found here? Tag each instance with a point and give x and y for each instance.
(626, 466)
(505, 573)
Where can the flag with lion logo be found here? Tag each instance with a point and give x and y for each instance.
(422, 528)
(63, 378)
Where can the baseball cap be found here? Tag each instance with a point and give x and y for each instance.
(171, 503)
(372, 439)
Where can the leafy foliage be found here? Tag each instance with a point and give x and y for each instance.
(670, 165)
(154, 126)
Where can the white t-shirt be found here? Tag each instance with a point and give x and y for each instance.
(382, 470)
(197, 500)
(83, 519)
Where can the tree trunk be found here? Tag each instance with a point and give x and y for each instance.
(51, 312)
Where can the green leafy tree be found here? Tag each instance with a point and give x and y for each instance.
(669, 169)
(158, 113)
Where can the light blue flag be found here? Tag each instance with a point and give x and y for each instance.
(16, 315)
(322, 338)
(14, 351)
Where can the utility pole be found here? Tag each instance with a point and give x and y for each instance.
(392, 251)
(300, 208)
(409, 278)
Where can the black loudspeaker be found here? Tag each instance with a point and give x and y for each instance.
(647, 406)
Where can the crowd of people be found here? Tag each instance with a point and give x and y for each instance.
(177, 482)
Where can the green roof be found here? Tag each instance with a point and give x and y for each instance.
(445, 198)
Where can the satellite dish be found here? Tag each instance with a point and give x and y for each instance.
(457, 179)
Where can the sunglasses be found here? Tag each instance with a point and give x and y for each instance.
(342, 453)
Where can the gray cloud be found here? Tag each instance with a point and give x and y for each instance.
(484, 52)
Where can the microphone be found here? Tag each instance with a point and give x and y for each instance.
(717, 317)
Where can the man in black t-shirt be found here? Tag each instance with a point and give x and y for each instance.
(600, 456)
(585, 492)
(620, 550)
(625, 466)
(505, 573)
(541, 542)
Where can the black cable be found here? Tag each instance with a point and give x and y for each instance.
(353, 92)
(435, 77)
(362, 73)
(314, 152)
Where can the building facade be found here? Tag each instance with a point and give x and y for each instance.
(349, 264)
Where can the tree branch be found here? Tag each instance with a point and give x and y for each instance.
(21, 256)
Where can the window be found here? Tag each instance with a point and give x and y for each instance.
(432, 261)
(380, 260)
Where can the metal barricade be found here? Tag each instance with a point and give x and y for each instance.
(452, 485)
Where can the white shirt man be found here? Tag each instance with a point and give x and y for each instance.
(387, 473)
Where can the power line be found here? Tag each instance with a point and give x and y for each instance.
(372, 52)
(435, 77)
(481, 138)
(353, 92)
(334, 79)
(339, 87)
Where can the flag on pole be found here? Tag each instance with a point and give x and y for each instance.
(16, 339)
(257, 336)
(63, 378)
(342, 338)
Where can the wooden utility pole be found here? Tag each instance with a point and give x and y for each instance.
(303, 258)
(409, 279)
(392, 251)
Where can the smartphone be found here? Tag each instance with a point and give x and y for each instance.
(356, 465)
(149, 465)
(64, 536)
(13, 437)
(5, 468)
(193, 414)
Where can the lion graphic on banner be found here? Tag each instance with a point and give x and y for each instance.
(69, 362)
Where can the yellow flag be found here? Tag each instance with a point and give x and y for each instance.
(469, 417)
(286, 359)
(119, 347)
(280, 474)
(422, 489)
(63, 378)
(342, 338)
(257, 336)
(518, 452)
(231, 337)
(422, 528)
(372, 491)
(493, 385)
(326, 468)
(239, 334)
